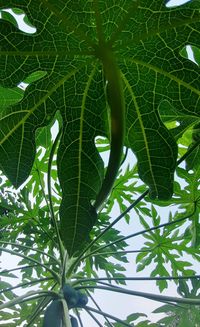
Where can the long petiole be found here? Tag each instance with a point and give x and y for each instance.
(81, 256)
(121, 252)
(79, 318)
(154, 297)
(86, 280)
(32, 249)
(32, 282)
(93, 317)
(53, 149)
(141, 197)
(141, 233)
(6, 271)
(39, 308)
(27, 297)
(47, 203)
(42, 186)
(53, 273)
(66, 318)
(108, 315)
(98, 307)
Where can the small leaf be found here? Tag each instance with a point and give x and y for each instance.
(10, 97)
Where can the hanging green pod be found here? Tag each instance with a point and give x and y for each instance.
(53, 314)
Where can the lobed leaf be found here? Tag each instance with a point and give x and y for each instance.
(61, 61)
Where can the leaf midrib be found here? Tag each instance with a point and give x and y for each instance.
(50, 53)
(80, 151)
(19, 155)
(164, 73)
(157, 32)
(141, 126)
(40, 102)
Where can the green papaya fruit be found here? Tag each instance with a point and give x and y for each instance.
(82, 300)
(53, 314)
(71, 296)
(74, 321)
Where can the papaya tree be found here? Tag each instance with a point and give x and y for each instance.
(99, 109)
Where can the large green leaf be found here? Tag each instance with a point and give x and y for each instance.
(79, 164)
(153, 71)
(71, 39)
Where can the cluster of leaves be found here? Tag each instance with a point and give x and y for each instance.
(119, 70)
(28, 232)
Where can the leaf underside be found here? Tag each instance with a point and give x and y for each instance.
(147, 38)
